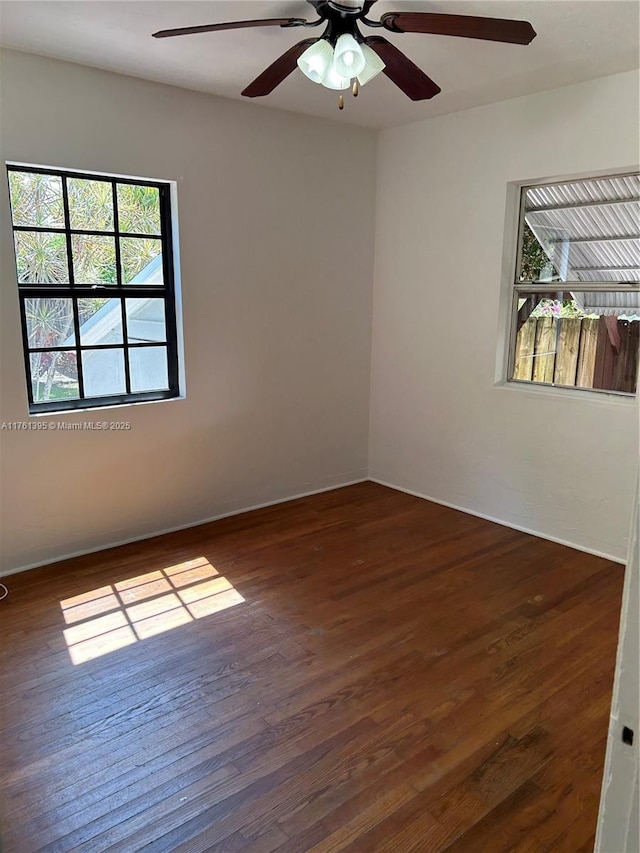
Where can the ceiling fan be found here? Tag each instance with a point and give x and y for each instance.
(342, 57)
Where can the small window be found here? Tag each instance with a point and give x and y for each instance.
(94, 267)
(576, 301)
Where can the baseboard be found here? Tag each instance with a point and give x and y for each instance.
(8, 572)
(501, 521)
(143, 537)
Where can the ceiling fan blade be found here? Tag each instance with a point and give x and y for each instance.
(402, 71)
(465, 26)
(277, 71)
(230, 25)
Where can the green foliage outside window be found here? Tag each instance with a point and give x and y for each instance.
(534, 261)
(36, 200)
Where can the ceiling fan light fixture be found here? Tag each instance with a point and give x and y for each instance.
(316, 61)
(333, 80)
(348, 59)
(373, 65)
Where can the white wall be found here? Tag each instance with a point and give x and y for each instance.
(560, 464)
(276, 219)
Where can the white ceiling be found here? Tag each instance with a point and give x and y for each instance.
(577, 40)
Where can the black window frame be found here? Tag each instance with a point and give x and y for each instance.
(73, 291)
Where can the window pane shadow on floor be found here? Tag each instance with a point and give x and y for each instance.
(112, 617)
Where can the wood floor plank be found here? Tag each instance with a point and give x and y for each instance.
(356, 671)
(209, 821)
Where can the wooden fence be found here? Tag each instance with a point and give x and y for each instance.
(587, 353)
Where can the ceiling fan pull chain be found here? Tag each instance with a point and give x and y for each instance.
(340, 102)
(356, 88)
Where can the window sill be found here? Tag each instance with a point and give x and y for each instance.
(550, 391)
(93, 410)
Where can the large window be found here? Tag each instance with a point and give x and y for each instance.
(576, 300)
(94, 266)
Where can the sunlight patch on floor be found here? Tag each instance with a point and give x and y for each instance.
(112, 617)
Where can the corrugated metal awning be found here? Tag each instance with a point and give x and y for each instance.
(590, 231)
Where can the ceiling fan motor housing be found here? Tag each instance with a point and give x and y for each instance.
(325, 8)
(341, 16)
(340, 19)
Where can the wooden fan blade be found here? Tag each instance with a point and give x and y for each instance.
(277, 71)
(465, 26)
(402, 71)
(230, 25)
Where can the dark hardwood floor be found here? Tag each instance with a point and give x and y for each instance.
(356, 671)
